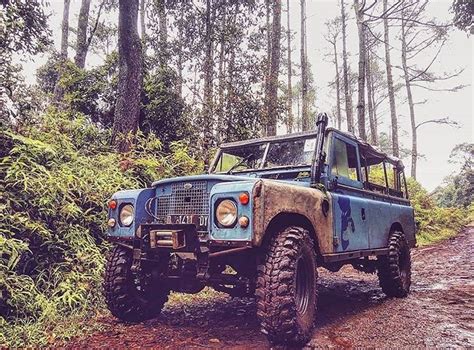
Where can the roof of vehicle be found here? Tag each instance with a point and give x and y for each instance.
(373, 155)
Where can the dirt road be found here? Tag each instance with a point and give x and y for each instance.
(353, 312)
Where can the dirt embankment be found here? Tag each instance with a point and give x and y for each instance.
(353, 312)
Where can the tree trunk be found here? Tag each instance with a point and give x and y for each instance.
(127, 108)
(58, 90)
(290, 89)
(142, 19)
(269, 43)
(163, 32)
(266, 118)
(338, 88)
(370, 104)
(65, 29)
(304, 70)
(230, 81)
(179, 84)
(194, 89)
(361, 77)
(411, 105)
(272, 98)
(81, 42)
(221, 86)
(347, 97)
(391, 90)
(208, 122)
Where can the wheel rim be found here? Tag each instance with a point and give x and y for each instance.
(303, 279)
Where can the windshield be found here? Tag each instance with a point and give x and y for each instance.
(242, 158)
(290, 153)
(297, 152)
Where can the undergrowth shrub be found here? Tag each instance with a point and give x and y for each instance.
(434, 223)
(55, 179)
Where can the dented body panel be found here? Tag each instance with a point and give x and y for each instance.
(274, 198)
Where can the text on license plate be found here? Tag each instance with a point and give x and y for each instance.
(198, 220)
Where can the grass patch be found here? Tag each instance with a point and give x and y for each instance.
(426, 238)
(48, 332)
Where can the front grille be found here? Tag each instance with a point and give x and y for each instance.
(183, 201)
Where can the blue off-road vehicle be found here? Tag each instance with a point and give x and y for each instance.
(267, 214)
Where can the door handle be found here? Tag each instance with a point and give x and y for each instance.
(362, 213)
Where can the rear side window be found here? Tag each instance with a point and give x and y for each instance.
(344, 160)
(375, 175)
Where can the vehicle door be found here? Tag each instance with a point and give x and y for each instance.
(349, 206)
(379, 213)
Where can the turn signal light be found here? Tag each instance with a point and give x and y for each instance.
(112, 204)
(244, 198)
(243, 221)
(111, 223)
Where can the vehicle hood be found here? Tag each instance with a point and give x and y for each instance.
(204, 177)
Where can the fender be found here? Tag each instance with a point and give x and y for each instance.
(274, 197)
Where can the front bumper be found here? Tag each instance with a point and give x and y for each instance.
(171, 237)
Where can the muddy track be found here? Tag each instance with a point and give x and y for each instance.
(353, 312)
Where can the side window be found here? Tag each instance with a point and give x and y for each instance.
(373, 176)
(376, 175)
(344, 160)
(383, 177)
(394, 181)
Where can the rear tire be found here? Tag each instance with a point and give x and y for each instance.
(128, 298)
(286, 288)
(394, 269)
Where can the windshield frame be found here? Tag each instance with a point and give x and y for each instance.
(267, 144)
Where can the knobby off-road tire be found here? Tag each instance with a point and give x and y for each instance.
(394, 269)
(128, 299)
(286, 288)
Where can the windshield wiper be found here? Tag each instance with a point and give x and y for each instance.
(239, 163)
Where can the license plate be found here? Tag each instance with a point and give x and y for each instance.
(200, 221)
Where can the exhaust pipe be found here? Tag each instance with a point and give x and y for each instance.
(319, 155)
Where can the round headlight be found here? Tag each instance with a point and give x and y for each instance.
(226, 213)
(126, 215)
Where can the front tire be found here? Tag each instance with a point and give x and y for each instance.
(394, 269)
(286, 288)
(129, 298)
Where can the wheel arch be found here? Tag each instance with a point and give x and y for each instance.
(396, 226)
(409, 236)
(286, 219)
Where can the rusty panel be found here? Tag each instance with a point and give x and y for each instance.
(274, 197)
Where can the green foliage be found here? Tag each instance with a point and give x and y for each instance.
(93, 93)
(163, 111)
(90, 92)
(23, 30)
(24, 26)
(458, 189)
(56, 179)
(434, 223)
